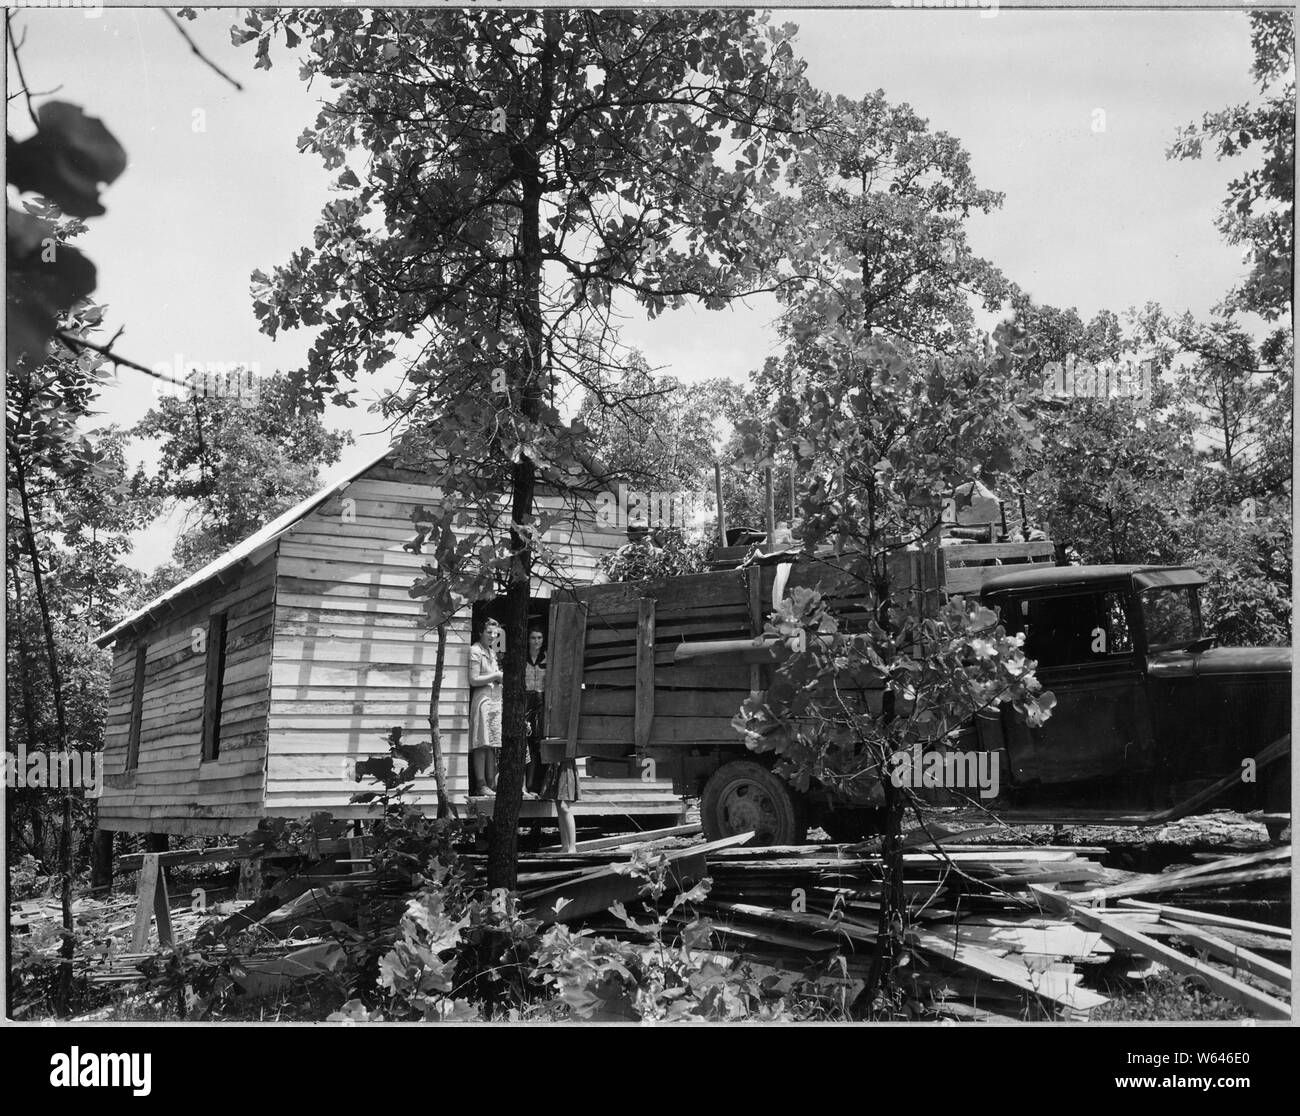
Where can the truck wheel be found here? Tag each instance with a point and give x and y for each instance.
(742, 796)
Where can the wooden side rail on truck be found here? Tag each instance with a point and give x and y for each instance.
(617, 692)
(967, 567)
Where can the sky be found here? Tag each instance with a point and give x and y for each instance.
(1069, 113)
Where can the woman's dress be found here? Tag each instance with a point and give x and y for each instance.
(485, 706)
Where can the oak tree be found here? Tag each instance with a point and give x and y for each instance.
(504, 176)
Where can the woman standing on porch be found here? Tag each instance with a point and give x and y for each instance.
(535, 692)
(485, 708)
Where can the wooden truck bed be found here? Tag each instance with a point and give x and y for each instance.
(615, 695)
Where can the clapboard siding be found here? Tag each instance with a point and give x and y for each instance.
(172, 789)
(326, 651)
(353, 657)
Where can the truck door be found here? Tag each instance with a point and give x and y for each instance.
(1099, 730)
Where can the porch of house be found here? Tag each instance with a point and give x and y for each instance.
(602, 797)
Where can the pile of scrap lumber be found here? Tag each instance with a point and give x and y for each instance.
(1241, 960)
(995, 931)
(108, 950)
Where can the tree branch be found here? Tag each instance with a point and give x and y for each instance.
(18, 67)
(198, 53)
(72, 340)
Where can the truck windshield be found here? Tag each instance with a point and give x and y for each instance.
(1172, 617)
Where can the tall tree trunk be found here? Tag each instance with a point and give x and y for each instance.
(17, 625)
(63, 995)
(891, 930)
(38, 832)
(503, 851)
(446, 808)
(892, 927)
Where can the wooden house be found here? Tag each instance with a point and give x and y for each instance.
(253, 687)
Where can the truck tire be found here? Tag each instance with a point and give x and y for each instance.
(743, 795)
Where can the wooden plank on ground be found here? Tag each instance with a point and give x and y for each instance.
(1207, 919)
(1203, 875)
(1116, 930)
(1049, 985)
(1054, 986)
(620, 839)
(1235, 956)
(804, 922)
(598, 889)
(771, 936)
(937, 833)
(1051, 938)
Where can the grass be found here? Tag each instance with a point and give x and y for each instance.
(1167, 998)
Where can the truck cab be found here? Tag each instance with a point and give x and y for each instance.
(1148, 710)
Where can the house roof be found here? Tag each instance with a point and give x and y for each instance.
(269, 534)
(245, 549)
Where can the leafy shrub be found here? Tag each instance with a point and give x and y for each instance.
(665, 552)
(667, 976)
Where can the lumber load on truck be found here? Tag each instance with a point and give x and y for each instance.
(638, 706)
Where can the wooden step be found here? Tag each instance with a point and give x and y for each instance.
(600, 797)
(600, 785)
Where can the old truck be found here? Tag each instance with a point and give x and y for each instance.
(1152, 719)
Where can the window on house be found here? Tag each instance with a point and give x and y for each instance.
(212, 681)
(137, 711)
